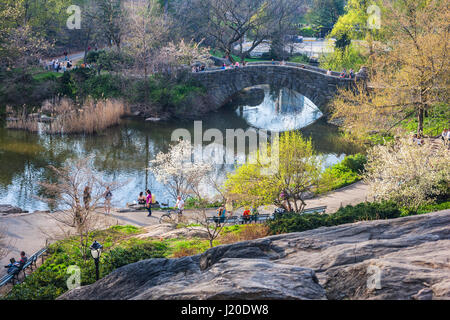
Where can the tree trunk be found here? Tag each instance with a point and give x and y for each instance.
(86, 45)
(420, 117)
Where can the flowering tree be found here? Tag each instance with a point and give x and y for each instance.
(409, 174)
(77, 195)
(176, 170)
(187, 53)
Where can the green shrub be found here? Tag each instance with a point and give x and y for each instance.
(345, 173)
(293, 222)
(435, 207)
(193, 203)
(308, 32)
(302, 58)
(355, 162)
(349, 57)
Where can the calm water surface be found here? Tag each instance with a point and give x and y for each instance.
(122, 153)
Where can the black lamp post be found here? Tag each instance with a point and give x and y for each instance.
(96, 252)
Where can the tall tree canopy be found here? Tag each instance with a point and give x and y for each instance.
(409, 71)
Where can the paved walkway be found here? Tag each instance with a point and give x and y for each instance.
(29, 232)
(350, 195)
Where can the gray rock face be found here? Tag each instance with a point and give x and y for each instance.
(6, 209)
(407, 258)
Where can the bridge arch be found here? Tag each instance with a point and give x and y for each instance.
(309, 81)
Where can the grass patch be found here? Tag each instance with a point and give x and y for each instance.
(435, 122)
(240, 233)
(47, 76)
(345, 173)
(179, 248)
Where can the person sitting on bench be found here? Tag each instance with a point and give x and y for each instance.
(246, 215)
(23, 259)
(142, 199)
(13, 267)
(221, 215)
(255, 213)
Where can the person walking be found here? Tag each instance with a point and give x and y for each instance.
(108, 197)
(149, 203)
(179, 205)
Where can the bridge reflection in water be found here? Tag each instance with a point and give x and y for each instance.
(282, 109)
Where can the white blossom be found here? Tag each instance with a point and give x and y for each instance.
(409, 174)
(177, 170)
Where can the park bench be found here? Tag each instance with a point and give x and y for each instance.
(31, 262)
(240, 220)
(319, 210)
(257, 219)
(6, 278)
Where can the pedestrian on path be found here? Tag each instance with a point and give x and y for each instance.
(149, 203)
(108, 197)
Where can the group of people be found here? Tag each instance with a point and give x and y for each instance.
(418, 140)
(14, 266)
(107, 197)
(250, 214)
(198, 68)
(344, 74)
(57, 66)
(235, 65)
(147, 200)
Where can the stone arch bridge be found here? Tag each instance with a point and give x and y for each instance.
(312, 82)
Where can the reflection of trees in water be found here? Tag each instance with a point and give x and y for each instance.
(25, 158)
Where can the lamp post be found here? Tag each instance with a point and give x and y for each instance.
(96, 252)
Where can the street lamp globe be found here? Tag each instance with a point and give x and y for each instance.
(96, 250)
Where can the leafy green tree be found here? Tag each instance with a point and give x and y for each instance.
(343, 58)
(112, 18)
(326, 12)
(299, 171)
(408, 70)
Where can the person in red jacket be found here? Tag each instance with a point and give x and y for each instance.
(246, 215)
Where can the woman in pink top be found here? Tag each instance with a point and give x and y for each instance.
(149, 203)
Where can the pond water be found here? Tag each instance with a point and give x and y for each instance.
(122, 153)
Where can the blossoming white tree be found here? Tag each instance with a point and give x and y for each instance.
(178, 172)
(409, 174)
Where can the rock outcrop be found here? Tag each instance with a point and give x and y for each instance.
(407, 258)
(6, 209)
